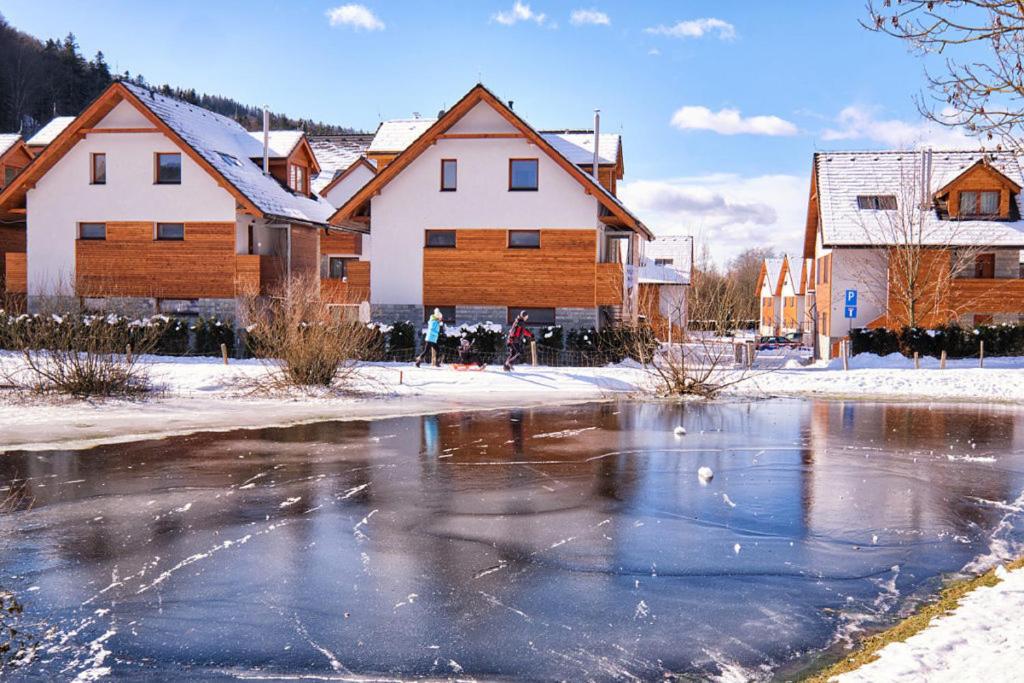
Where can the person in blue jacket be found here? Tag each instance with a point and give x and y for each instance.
(433, 332)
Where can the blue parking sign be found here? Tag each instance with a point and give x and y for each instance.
(850, 311)
(851, 298)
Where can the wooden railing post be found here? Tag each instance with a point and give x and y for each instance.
(224, 352)
(942, 360)
(981, 353)
(533, 352)
(917, 360)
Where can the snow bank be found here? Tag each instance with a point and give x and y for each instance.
(982, 640)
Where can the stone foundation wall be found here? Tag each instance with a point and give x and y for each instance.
(389, 313)
(576, 318)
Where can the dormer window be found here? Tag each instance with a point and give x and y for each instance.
(877, 202)
(297, 181)
(975, 203)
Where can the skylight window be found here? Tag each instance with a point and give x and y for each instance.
(229, 159)
(877, 202)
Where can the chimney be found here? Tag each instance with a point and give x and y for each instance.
(597, 141)
(926, 178)
(266, 140)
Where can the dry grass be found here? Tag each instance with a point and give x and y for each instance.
(948, 600)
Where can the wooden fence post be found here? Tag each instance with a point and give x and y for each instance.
(224, 353)
(942, 360)
(128, 353)
(533, 352)
(844, 352)
(433, 355)
(917, 360)
(750, 353)
(981, 354)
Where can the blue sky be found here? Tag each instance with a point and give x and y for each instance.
(721, 103)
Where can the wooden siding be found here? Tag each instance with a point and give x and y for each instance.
(257, 274)
(130, 262)
(15, 272)
(989, 296)
(790, 312)
(353, 290)
(12, 240)
(481, 270)
(609, 284)
(341, 243)
(305, 251)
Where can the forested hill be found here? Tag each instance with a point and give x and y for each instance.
(39, 80)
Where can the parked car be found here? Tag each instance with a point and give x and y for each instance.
(780, 342)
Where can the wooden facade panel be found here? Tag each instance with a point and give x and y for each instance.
(16, 272)
(987, 296)
(481, 270)
(305, 251)
(125, 264)
(790, 312)
(12, 240)
(341, 243)
(609, 284)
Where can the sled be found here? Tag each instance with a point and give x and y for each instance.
(467, 367)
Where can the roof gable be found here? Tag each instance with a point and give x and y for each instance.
(361, 162)
(442, 125)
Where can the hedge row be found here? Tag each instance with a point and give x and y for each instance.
(171, 336)
(957, 342)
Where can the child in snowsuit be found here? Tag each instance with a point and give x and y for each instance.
(467, 354)
(516, 337)
(433, 332)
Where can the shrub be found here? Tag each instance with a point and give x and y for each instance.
(956, 341)
(485, 337)
(210, 333)
(171, 336)
(401, 336)
(551, 337)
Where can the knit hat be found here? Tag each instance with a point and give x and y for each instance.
(437, 314)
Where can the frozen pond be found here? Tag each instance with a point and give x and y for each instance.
(571, 543)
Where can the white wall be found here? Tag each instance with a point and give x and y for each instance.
(865, 270)
(413, 202)
(349, 185)
(64, 197)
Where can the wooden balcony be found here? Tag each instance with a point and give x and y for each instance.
(256, 274)
(15, 274)
(609, 284)
(987, 296)
(354, 289)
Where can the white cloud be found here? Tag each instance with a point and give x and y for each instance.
(730, 122)
(727, 211)
(579, 17)
(861, 123)
(654, 51)
(696, 28)
(356, 16)
(520, 12)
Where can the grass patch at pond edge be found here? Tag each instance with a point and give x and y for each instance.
(949, 599)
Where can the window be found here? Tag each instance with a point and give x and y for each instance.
(663, 262)
(10, 173)
(337, 267)
(98, 169)
(297, 181)
(524, 239)
(974, 203)
(522, 175)
(447, 311)
(92, 231)
(537, 316)
(985, 266)
(441, 239)
(883, 202)
(170, 231)
(168, 168)
(449, 175)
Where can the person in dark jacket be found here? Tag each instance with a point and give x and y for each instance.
(468, 354)
(517, 336)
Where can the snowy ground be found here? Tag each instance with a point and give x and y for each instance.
(199, 394)
(983, 640)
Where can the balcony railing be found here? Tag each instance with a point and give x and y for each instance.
(256, 274)
(987, 295)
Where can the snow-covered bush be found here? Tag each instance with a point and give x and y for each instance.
(210, 333)
(551, 337)
(956, 341)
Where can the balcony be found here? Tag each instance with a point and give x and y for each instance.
(987, 295)
(256, 274)
(354, 289)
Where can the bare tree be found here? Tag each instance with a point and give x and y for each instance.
(743, 272)
(910, 260)
(980, 84)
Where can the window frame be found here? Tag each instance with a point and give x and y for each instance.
(344, 260)
(428, 232)
(512, 312)
(508, 239)
(455, 187)
(157, 237)
(83, 238)
(156, 168)
(877, 202)
(536, 175)
(93, 177)
(976, 211)
(983, 261)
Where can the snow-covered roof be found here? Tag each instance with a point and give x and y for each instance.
(50, 131)
(578, 146)
(280, 142)
(397, 134)
(678, 249)
(335, 153)
(230, 149)
(843, 176)
(8, 140)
